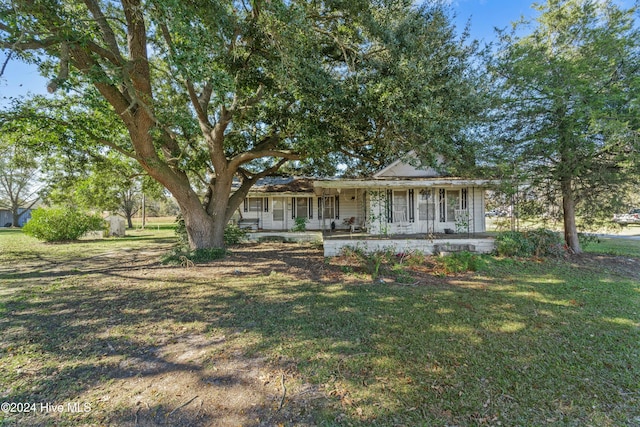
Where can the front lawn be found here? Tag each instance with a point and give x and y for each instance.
(274, 334)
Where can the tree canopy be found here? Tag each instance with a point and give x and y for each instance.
(568, 121)
(208, 92)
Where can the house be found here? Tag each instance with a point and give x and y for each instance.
(6, 217)
(399, 199)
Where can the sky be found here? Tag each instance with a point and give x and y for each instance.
(484, 16)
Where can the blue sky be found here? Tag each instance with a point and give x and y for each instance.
(484, 16)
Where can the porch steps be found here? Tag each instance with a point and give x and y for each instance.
(448, 248)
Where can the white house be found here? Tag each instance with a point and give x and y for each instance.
(399, 199)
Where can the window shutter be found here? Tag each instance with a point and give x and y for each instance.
(246, 205)
(293, 208)
(266, 204)
(310, 203)
(411, 206)
(337, 207)
(320, 208)
(389, 204)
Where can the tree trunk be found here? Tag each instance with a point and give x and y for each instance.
(129, 220)
(16, 218)
(569, 214)
(200, 229)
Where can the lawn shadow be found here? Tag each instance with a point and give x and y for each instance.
(151, 345)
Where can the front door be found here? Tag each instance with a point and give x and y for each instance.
(426, 211)
(279, 217)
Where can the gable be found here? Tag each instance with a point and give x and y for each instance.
(404, 169)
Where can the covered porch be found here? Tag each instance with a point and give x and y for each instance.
(404, 206)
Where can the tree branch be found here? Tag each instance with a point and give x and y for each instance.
(6, 61)
(107, 32)
(245, 157)
(247, 182)
(63, 72)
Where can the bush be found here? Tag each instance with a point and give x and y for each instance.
(460, 262)
(61, 224)
(546, 242)
(183, 256)
(540, 242)
(301, 224)
(373, 263)
(513, 243)
(234, 234)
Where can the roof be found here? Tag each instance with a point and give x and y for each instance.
(403, 168)
(402, 182)
(400, 173)
(283, 184)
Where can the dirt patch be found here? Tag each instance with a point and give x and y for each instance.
(196, 381)
(617, 265)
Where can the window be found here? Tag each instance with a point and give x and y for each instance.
(453, 203)
(278, 209)
(450, 202)
(400, 206)
(256, 204)
(331, 208)
(302, 207)
(426, 205)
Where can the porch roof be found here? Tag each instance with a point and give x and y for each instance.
(282, 186)
(403, 182)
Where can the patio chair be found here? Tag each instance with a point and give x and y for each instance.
(400, 218)
(351, 223)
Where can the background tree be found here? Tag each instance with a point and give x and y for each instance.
(213, 91)
(110, 183)
(569, 115)
(19, 179)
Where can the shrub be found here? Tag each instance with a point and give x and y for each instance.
(301, 224)
(460, 262)
(61, 224)
(206, 255)
(234, 234)
(546, 242)
(181, 232)
(373, 263)
(539, 242)
(513, 243)
(179, 255)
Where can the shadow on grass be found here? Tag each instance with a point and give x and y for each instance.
(532, 344)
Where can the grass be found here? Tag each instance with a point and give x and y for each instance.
(156, 223)
(519, 343)
(613, 246)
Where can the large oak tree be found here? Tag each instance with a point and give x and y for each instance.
(230, 91)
